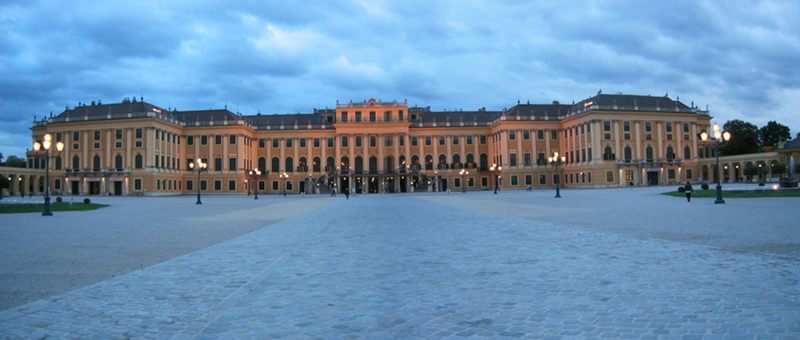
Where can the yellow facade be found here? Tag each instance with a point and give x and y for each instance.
(136, 148)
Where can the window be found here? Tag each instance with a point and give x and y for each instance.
(514, 180)
(217, 185)
(669, 127)
(372, 116)
(540, 159)
(527, 159)
(400, 115)
(96, 134)
(401, 140)
(204, 185)
(316, 142)
(609, 177)
(344, 141)
(387, 141)
(626, 126)
(138, 133)
(542, 179)
(483, 139)
(688, 173)
(118, 134)
(513, 159)
(190, 140)
(276, 143)
(330, 142)
(540, 134)
(455, 140)
(137, 184)
(441, 140)
(687, 153)
(302, 142)
(358, 142)
(649, 153)
(232, 139)
(118, 144)
(231, 185)
(628, 154)
(427, 140)
(512, 135)
(554, 134)
(607, 129)
(218, 139)
(358, 116)
(96, 163)
(648, 128)
(117, 162)
(274, 185)
(608, 154)
(189, 185)
(671, 173)
(414, 141)
(289, 142)
(344, 116)
(469, 140)
(262, 142)
(373, 141)
(387, 116)
(232, 164)
(670, 153)
(203, 140)
(217, 164)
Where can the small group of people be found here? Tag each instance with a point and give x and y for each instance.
(346, 193)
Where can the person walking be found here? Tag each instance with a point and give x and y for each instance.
(688, 190)
(347, 193)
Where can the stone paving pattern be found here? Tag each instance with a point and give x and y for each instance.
(413, 266)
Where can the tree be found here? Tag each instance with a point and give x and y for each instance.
(15, 162)
(744, 138)
(774, 132)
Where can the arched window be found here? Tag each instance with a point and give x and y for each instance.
(262, 164)
(373, 164)
(687, 153)
(289, 164)
(401, 161)
(359, 164)
(456, 161)
(76, 163)
(96, 163)
(302, 164)
(628, 154)
(138, 161)
(649, 153)
(276, 164)
(442, 162)
(670, 153)
(484, 162)
(317, 164)
(415, 162)
(608, 155)
(388, 163)
(470, 160)
(58, 162)
(345, 163)
(330, 164)
(118, 162)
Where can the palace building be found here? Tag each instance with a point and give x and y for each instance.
(137, 148)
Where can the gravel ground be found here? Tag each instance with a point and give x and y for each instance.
(44, 256)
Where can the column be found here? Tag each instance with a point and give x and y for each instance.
(638, 140)
(659, 154)
(617, 136)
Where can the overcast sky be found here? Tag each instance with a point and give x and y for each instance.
(741, 58)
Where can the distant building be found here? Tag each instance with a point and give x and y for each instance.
(609, 140)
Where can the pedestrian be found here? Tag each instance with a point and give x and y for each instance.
(688, 190)
(347, 194)
(21, 194)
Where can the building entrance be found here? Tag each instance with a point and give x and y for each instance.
(443, 186)
(652, 177)
(94, 188)
(372, 186)
(117, 188)
(76, 187)
(403, 184)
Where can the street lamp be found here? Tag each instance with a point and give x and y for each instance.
(496, 172)
(44, 146)
(253, 181)
(200, 166)
(719, 138)
(556, 162)
(284, 176)
(463, 173)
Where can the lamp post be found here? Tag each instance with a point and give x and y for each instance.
(43, 150)
(284, 176)
(719, 138)
(556, 162)
(496, 172)
(254, 174)
(200, 166)
(463, 173)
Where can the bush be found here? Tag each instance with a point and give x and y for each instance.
(681, 189)
(87, 201)
(704, 186)
(59, 199)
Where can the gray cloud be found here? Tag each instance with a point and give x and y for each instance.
(281, 56)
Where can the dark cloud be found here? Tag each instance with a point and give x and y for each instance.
(283, 56)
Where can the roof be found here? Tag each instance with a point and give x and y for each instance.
(459, 116)
(540, 111)
(631, 102)
(276, 120)
(103, 110)
(215, 115)
(792, 144)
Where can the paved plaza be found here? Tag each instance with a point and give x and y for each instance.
(622, 263)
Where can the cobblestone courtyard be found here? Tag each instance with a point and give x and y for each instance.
(596, 263)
